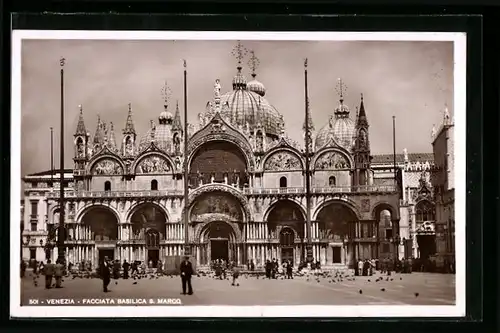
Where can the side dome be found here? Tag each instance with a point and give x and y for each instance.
(161, 135)
(340, 127)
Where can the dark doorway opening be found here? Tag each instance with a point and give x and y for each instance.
(153, 256)
(110, 253)
(337, 255)
(426, 245)
(219, 249)
(287, 254)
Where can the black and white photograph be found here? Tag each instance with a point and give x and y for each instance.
(215, 174)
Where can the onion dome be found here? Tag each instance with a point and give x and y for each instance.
(161, 135)
(340, 127)
(245, 106)
(256, 86)
(239, 80)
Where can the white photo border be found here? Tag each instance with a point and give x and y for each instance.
(459, 40)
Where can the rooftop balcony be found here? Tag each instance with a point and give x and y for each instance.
(118, 194)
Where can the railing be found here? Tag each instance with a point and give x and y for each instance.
(116, 194)
(35, 233)
(247, 190)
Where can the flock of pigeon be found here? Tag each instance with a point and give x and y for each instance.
(330, 276)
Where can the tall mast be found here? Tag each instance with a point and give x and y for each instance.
(61, 234)
(309, 255)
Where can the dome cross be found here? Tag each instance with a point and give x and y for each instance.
(166, 93)
(239, 52)
(341, 88)
(253, 63)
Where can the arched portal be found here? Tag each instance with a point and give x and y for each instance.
(426, 235)
(220, 241)
(100, 224)
(287, 220)
(218, 162)
(148, 227)
(337, 228)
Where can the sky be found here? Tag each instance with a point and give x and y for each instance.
(410, 80)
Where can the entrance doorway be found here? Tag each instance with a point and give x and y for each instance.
(110, 253)
(219, 249)
(426, 245)
(337, 255)
(287, 254)
(153, 256)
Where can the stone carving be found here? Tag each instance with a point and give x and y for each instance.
(107, 167)
(129, 148)
(153, 164)
(79, 185)
(365, 205)
(217, 88)
(220, 203)
(260, 142)
(331, 160)
(282, 161)
(80, 148)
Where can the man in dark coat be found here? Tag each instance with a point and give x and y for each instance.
(126, 267)
(58, 273)
(186, 273)
(116, 270)
(48, 271)
(105, 274)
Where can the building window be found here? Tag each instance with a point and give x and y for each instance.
(388, 233)
(33, 226)
(33, 254)
(154, 185)
(332, 181)
(107, 186)
(34, 184)
(424, 211)
(34, 208)
(283, 182)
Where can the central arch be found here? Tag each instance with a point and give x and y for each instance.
(220, 241)
(100, 224)
(218, 162)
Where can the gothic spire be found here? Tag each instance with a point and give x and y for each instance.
(129, 125)
(176, 124)
(99, 132)
(111, 138)
(362, 121)
(80, 127)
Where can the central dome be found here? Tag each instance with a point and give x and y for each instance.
(244, 106)
(161, 135)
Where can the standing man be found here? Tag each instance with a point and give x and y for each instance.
(48, 271)
(58, 273)
(126, 267)
(186, 273)
(105, 274)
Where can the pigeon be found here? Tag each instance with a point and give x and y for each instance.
(360, 291)
(116, 282)
(369, 280)
(135, 282)
(400, 279)
(416, 294)
(383, 289)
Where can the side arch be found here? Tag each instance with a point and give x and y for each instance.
(136, 206)
(288, 150)
(331, 150)
(384, 205)
(85, 209)
(274, 203)
(344, 202)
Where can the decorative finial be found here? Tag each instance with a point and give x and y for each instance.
(305, 63)
(129, 107)
(80, 108)
(253, 63)
(166, 93)
(361, 97)
(239, 52)
(185, 63)
(62, 61)
(341, 89)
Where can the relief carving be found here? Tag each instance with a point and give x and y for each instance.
(107, 167)
(282, 161)
(331, 160)
(217, 203)
(152, 164)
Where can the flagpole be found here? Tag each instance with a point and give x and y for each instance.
(187, 248)
(394, 146)
(61, 234)
(309, 255)
(52, 156)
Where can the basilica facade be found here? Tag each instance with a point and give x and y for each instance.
(247, 197)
